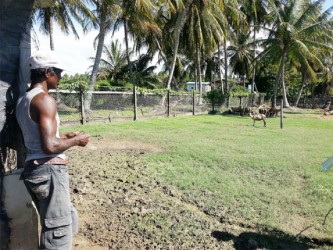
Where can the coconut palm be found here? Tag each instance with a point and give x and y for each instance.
(241, 56)
(143, 73)
(202, 32)
(308, 69)
(235, 22)
(256, 13)
(298, 28)
(113, 61)
(136, 17)
(157, 40)
(179, 18)
(105, 12)
(63, 13)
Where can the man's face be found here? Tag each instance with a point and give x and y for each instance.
(54, 75)
(58, 73)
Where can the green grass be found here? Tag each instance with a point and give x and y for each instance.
(262, 177)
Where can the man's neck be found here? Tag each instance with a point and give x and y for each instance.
(41, 85)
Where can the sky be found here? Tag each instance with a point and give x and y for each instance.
(75, 53)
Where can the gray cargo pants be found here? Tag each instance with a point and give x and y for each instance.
(48, 186)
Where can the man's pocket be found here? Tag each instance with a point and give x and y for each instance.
(58, 233)
(39, 185)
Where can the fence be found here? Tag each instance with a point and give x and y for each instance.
(109, 106)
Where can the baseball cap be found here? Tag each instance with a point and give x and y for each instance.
(44, 59)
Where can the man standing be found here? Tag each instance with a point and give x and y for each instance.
(46, 174)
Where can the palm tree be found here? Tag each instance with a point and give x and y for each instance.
(180, 17)
(256, 13)
(136, 16)
(143, 73)
(157, 39)
(234, 23)
(115, 60)
(241, 56)
(62, 12)
(298, 28)
(105, 12)
(202, 32)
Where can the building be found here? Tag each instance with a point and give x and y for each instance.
(205, 86)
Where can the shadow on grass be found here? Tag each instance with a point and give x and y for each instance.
(270, 239)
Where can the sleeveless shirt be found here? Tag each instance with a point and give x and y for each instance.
(30, 129)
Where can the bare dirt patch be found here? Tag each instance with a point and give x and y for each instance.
(122, 205)
(99, 143)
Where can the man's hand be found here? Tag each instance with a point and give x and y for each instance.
(71, 134)
(83, 139)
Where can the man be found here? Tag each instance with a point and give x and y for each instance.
(46, 174)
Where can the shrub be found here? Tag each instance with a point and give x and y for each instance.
(215, 98)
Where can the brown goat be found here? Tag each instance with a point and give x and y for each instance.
(328, 113)
(258, 117)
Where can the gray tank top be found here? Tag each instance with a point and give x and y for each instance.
(30, 128)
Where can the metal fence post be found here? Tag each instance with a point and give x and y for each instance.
(83, 114)
(193, 103)
(168, 103)
(281, 115)
(135, 103)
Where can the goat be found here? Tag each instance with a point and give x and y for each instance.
(258, 117)
(328, 113)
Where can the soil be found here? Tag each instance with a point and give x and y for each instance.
(122, 205)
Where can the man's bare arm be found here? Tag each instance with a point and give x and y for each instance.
(43, 109)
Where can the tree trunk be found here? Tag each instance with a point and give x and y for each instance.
(220, 68)
(198, 69)
(299, 94)
(254, 63)
(51, 36)
(99, 51)
(165, 60)
(204, 72)
(178, 28)
(226, 65)
(51, 29)
(277, 79)
(130, 72)
(284, 92)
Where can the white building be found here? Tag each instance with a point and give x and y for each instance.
(205, 86)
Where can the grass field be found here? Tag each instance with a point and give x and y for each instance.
(264, 180)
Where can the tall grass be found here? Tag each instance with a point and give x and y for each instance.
(255, 176)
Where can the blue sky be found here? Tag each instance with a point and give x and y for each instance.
(75, 53)
(328, 3)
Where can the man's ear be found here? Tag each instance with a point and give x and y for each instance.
(47, 72)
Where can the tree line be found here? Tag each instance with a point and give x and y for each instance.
(283, 48)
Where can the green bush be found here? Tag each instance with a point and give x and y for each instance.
(239, 91)
(215, 98)
(77, 82)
